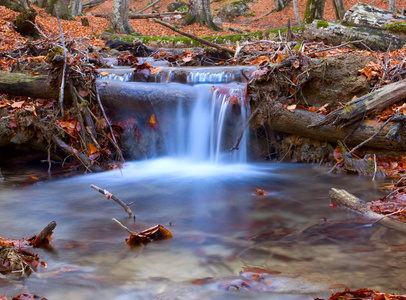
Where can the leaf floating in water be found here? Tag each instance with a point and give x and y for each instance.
(260, 192)
(158, 232)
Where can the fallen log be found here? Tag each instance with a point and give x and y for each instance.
(337, 34)
(362, 14)
(298, 122)
(344, 199)
(19, 84)
(196, 38)
(145, 16)
(356, 109)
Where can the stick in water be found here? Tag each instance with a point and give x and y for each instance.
(111, 196)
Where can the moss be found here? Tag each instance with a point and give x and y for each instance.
(300, 28)
(322, 24)
(236, 3)
(397, 27)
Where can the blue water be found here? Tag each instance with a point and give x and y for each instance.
(219, 227)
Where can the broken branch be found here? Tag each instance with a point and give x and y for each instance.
(111, 196)
(345, 199)
(196, 38)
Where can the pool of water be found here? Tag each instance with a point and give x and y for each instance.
(220, 228)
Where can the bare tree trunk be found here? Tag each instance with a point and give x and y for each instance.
(314, 10)
(280, 4)
(392, 6)
(296, 8)
(339, 9)
(119, 19)
(199, 12)
(76, 7)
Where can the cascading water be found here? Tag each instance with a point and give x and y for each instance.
(203, 123)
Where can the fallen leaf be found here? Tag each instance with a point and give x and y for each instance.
(260, 192)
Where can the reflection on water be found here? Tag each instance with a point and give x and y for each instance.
(219, 226)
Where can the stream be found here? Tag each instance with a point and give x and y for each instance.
(228, 242)
(219, 226)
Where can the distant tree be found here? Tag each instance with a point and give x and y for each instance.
(392, 6)
(76, 7)
(280, 4)
(314, 10)
(62, 5)
(120, 20)
(296, 9)
(339, 9)
(15, 5)
(199, 12)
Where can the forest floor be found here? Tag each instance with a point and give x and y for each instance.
(10, 39)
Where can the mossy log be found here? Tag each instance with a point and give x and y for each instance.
(356, 109)
(344, 199)
(366, 15)
(19, 84)
(337, 34)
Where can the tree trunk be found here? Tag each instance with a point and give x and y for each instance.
(119, 19)
(314, 10)
(13, 5)
(62, 5)
(392, 6)
(365, 15)
(280, 4)
(199, 12)
(296, 9)
(76, 7)
(339, 9)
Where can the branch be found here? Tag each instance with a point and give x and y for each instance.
(64, 62)
(345, 199)
(196, 38)
(152, 4)
(111, 196)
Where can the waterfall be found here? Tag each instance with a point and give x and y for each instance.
(196, 113)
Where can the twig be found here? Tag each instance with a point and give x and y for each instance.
(37, 28)
(372, 136)
(152, 4)
(237, 142)
(330, 48)
(196, 38)
(126, 228)
(391, 214)
(114, 141)
(268, 13)
(61, 92)
(111, 196)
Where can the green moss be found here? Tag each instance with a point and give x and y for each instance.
(397, 27)
(322, 24)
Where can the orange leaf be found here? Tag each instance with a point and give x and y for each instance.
(18, 104)
(260, 192)
(155, 70)
(92, 149)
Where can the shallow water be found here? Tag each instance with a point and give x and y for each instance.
(219, 226)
